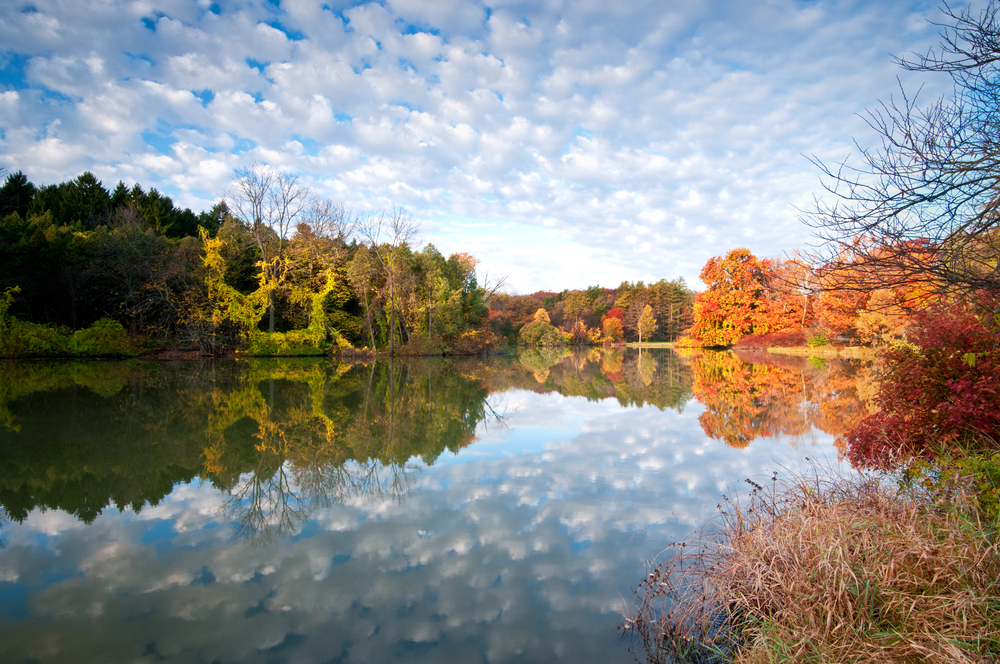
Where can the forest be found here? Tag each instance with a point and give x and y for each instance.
(271, 270)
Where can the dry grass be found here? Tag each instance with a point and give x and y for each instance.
(827, 570)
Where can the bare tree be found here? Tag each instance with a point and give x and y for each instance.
(331, 220)
(388, 234)
(268, 203)
(924, 207)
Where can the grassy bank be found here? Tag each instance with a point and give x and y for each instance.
(855, 352)
(828, 570)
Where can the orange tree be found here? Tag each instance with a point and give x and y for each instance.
(735, 303)
(745, 401)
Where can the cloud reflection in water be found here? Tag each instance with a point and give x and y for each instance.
(517, 546)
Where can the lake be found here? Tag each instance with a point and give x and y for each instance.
(419, 510)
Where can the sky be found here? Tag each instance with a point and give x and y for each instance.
(563, 143)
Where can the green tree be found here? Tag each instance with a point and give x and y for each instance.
(124, 262)
(16, 195)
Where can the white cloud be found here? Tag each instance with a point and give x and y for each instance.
(688, 121)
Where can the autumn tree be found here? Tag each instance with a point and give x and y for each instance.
(268, 203)
(613, 330)
(574, 303)
(792, 293)
(646, 322)
(387, 235)
(734, 304)
(882, 319)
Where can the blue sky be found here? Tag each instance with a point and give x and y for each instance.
(564, 143)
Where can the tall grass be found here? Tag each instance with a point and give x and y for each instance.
(825, 569)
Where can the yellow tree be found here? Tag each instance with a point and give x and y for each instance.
(646, 322)
(268, 203)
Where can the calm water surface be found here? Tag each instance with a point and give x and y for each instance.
(420, 511)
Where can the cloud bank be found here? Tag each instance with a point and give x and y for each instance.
(565, 144)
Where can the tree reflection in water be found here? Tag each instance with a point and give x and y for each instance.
(314, 450)
(283, 438)
(752, 395)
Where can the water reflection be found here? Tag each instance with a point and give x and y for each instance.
(753, 395)
(426, 510)
(660, 379)
(280, 438)
(283, 438)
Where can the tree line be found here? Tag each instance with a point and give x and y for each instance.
(657, 312)
(273, 270)
(269, 269)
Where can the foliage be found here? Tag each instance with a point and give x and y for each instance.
(228, 305)
(645, 322)
(734, 304)
(19, 338)
(22, 339)
(670, 303)
(581, 335)
(883, 320)
(102, 338)
(317, 339)
(817, 340)
(960, 475)
(613, 329)
(942, 389)
(541, 316)
(476, 342)
(540, 333)
(781, 338)
(80, 253)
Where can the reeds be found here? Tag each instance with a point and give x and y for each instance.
(825, 569)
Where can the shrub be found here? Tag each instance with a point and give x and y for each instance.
(102, 338)
(419, 345)
(23, 339)
(581, 335)
(939, 391)
(960, 476)
(293, 343)
(817, 340)
(20, 338)
(541, 333)
(476, 342)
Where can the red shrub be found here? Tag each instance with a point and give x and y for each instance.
(944, 388)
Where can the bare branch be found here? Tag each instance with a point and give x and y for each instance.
(923, 209)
